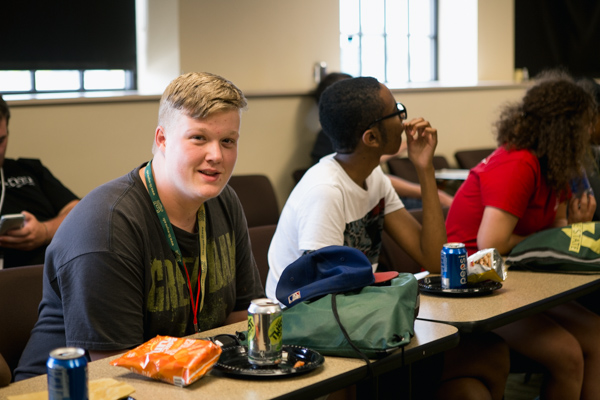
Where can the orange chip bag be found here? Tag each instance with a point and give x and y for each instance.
(175, 360)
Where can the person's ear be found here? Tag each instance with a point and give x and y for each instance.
(160, 138)
(371, 138)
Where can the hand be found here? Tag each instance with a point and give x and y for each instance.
(582, 208)
(32, 235)
(421, 140)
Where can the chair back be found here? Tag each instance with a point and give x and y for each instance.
(298, 174)
(257, 195)
(403, 168)
(393, 257)
(468, 159)
(261, 236)
(20, 296)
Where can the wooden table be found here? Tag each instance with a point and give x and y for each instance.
(336, 373)
(522, 294)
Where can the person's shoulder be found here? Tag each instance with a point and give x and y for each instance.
(326, 170)
(24, 163)
(116, 189)
(504, 156)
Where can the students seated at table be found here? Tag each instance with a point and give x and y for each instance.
(112, 280)
(30, 188)
(409, 192)
(523, 188)
(347, 200)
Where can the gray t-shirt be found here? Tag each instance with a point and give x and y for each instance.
(111, 281)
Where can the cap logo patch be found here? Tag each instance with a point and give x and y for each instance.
(293, 297)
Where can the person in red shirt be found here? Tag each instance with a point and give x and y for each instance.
(523, 188)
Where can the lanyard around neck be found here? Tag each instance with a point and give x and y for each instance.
(170, 236)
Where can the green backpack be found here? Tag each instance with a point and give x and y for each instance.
(573, 248)
(377, 319)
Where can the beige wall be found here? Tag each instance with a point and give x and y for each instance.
(264, 46)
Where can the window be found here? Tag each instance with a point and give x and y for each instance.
(68, 45)
(393, 40)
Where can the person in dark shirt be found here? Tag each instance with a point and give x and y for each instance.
(29, 188)
(163, 250)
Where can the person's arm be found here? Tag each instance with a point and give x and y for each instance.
(405, 188)
(422, 242)
(496, 230)
(35, 233)
(236, 316)
(413, 238)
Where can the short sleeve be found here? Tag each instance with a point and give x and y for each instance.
(510, 187)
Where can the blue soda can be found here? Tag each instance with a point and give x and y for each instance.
(454, 266)
(67, 374)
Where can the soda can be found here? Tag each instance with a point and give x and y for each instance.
(67, 374)
(454, 266)
(265, 331)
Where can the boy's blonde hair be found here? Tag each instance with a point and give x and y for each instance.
(198, 95)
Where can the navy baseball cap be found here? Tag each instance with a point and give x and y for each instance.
(331, 269)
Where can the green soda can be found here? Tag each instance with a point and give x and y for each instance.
(265, 331)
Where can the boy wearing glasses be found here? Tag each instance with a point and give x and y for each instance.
(346, 199)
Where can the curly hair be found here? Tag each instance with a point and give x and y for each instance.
(346, 109)
(553, 121)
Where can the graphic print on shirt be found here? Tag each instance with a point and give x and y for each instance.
(18, 182)
(364, 234)
(168, 299)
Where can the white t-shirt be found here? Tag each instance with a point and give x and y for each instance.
(328, 208)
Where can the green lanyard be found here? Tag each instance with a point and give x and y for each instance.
(170, 236)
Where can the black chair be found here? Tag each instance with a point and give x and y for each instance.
(298, 174)
(261, 236)
(257, 195)
(393, 257)
(20, 296)
(467, 159)
(403, 168)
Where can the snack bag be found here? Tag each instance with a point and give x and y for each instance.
(486, 264)
(174, 360)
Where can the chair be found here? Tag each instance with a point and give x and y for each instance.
(298, 174)
(467, 159)
(20, 296)
(403, 168)
(257, 195)
(261, 236)
(393, 257)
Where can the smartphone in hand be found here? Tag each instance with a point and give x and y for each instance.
(581, 185)
(11, 221)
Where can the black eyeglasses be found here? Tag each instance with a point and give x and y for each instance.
(400, 110)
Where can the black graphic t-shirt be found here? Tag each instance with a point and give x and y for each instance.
(111, 281)
(31, 187)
